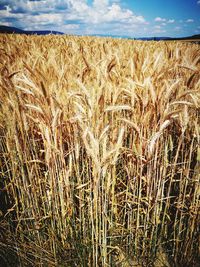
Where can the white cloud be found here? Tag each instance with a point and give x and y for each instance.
(163, 24)
(101, 4)
(177, 28)
(5, 23)
(26, 6)
(159, 19)
(189, 20)
(71, 26)
(157, 27)
(100, 15)
(102, 12)
(159, 31)
(78, 6)
(5, 12)
(45, 19)
(198, 2)
(171, 21)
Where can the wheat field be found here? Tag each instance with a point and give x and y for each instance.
(99, 152)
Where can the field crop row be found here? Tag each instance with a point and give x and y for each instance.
(99, 156)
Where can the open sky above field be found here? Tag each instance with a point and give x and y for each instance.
(134, 18)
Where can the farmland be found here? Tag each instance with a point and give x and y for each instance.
(99, 158)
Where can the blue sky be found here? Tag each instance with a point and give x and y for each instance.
(134, 18)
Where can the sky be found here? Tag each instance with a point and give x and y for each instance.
(134, 18)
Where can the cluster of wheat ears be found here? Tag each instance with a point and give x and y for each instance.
(99, 153)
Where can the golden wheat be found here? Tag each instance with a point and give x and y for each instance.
(99, 150)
